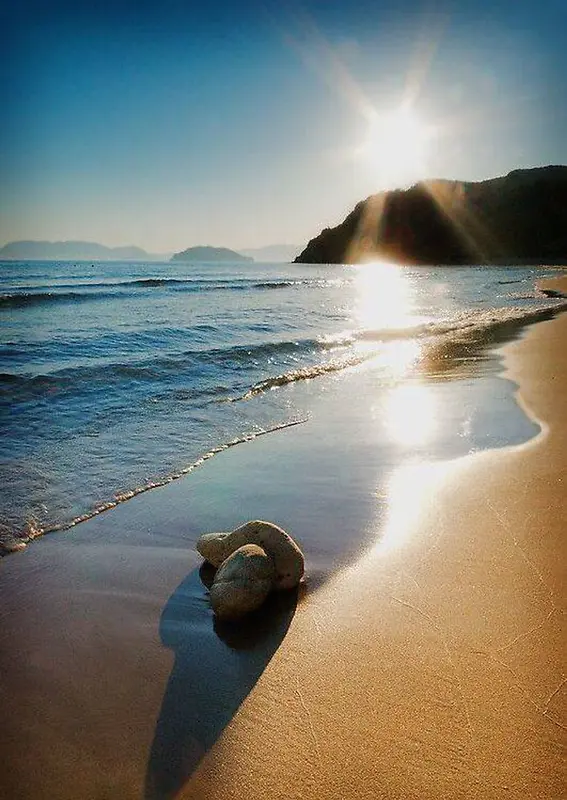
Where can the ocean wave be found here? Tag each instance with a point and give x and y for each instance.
(35, 530)
(442, 346)
(468, 320)
(312, 283)
(17, 300)
(251, 285)
(200, 284)
(24, 297)
(486, 319)
(305, 374)
(152, 282)
(92, 377)
(523, 295)
(437, 340)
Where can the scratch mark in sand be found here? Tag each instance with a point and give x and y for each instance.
(548, 716)
(458, 682)
(553, 693)
(527, 633)
(406, 574)
(417, 610)
(508, 529)
(505, 525)
(309, 722)
(316, 624)
(543, 710)
(465, 705)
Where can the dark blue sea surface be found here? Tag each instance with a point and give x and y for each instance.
(118, 376)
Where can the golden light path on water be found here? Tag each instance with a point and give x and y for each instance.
(409, 413)
(384, 297)
(407, 410)
(384, 308)
(409, 489)
(410, 419)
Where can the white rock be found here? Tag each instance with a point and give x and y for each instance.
(242, 582)
(285, 553)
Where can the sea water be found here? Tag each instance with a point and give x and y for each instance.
(118, 377)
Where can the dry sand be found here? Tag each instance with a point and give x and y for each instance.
(432, 668)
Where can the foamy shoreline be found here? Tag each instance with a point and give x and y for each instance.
(40, 499)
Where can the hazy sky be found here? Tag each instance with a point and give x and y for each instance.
(172, 124)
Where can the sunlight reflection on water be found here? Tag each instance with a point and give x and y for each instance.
(409, 413)
(408, 491)
(385, 297)
(386, 300)
(385, 304)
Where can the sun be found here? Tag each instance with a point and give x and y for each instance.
(397, 145)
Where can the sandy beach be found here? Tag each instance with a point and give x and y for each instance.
(432, 665)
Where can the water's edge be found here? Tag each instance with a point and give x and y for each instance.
(440, 353)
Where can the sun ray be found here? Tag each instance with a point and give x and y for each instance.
(452, 203)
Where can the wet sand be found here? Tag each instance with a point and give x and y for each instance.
(432, 666)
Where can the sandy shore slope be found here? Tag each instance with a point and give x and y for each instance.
(433, 667)
(436, 667)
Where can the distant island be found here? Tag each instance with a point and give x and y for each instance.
(35, 250)
(518, 218)
(73, 251)
(209, 254)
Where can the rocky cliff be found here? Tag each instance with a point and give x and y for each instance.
(518, 218)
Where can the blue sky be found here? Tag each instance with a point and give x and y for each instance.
(173, 124)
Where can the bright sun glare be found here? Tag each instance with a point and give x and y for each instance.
(397, 145)
(384, 297)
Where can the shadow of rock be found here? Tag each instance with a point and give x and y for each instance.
(216, 666)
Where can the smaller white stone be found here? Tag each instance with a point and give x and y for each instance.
(242, 583)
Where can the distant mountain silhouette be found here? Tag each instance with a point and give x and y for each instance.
(518, 218)
(209, 254)
(273, 253)
(72, 251)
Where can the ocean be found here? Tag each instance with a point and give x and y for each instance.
(120, 377)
